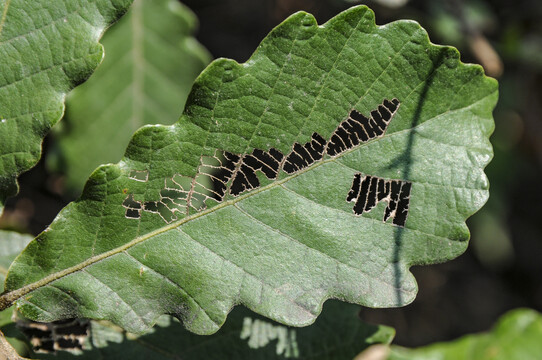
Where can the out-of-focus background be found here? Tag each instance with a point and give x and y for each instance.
(502, 267)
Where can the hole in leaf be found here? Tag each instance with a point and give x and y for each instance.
(358, 128)
(161, 208)
(235, 174)
(133, 207)
(63, 335)
(139, 175)
(245, 179)
(220, 173)
(68, 344)
(132, 214)
(367, 191)
(302, 156)
(260, 333)
(402, 207)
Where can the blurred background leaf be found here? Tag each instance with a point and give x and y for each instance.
(337, 334)
(516, 336)
(151, 60)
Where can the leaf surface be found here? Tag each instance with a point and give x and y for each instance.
(324, 167)
(516, 336)
(46, 49)
(150, 65)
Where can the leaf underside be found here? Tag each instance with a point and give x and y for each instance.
(198, 218)
(46, 49)
(150, 65)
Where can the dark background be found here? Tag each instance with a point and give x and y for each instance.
(501, 268)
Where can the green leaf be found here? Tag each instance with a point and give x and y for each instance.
(516, 336)
(11, 244)
(46, 49)
(150, 65)
(337, 334)
(158, 233)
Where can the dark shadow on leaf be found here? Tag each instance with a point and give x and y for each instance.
(404, 160)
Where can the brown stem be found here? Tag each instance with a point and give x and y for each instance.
(5, 302)
(7, 352)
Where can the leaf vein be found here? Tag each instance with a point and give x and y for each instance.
(116, 295)
(168, 280)
(4, 14)
(53, 286)
(317, 97)
(273, 89)
(277, 231)
(271, 287)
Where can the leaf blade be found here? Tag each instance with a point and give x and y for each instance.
(46, 50)
(274, 100)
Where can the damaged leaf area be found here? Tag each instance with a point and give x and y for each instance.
(46, 49)
(324, 167)
(235, 174)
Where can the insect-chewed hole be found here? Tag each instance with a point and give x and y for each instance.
(226, 172)
(139, 175)
(133, 207)
(367, 191)
(68, 334)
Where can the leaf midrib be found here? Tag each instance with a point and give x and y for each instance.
(4, 15)
(8, 298)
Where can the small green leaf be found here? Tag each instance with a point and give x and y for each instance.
(515, 337)
(324, 167)
(150, 65)
(46, 48)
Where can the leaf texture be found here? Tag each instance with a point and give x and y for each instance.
(46, 49)
(198, 218)
(151, 63)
